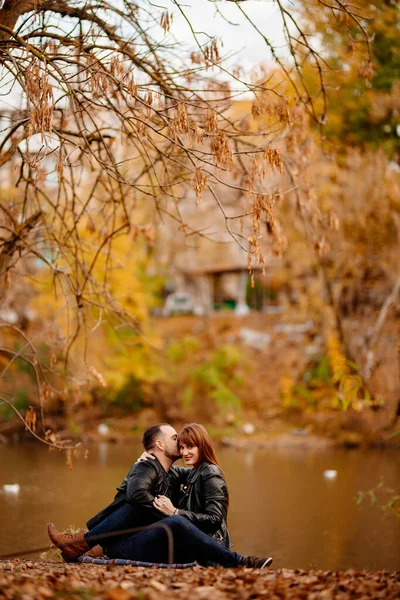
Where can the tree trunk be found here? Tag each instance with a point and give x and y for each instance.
(10, 13)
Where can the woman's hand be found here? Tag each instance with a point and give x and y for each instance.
(164, 505)
(144, 456)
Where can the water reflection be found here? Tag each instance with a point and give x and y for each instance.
(281, 503)
(103, 452)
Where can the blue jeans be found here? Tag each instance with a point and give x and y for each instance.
(124, 517)
(151, 545)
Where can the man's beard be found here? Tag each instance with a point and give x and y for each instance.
(172, 455)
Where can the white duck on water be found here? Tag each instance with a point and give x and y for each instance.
(11, 488)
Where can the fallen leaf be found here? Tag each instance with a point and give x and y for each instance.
(159, 586)
(117, 593)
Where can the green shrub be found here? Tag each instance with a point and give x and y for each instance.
(178, 352)
(129, 396)
(213, 378)
(21, 402)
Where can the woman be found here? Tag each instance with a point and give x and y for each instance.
(204, 495)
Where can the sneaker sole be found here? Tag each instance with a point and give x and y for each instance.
(266, 563)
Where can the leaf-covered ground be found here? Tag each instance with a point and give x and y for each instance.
(28, 580)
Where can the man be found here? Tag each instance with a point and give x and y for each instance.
(133, 504)
(133, 507)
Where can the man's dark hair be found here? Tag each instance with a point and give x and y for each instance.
(150, 435)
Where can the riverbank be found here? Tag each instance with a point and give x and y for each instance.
(276, 434)
(254, 381)
(29, 579)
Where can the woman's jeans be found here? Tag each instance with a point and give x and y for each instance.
(151, 545)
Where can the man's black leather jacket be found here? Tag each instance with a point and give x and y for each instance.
(204, 500)
(145, 480)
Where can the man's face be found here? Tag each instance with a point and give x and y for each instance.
(170, 439)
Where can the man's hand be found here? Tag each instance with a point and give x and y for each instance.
(144, 456)
(164, 505)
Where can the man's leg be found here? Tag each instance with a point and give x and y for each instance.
(124, 517)
(189, 544)
(74, 545)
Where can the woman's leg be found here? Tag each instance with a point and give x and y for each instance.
(189, 544)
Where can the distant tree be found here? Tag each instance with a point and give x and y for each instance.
(364, 103)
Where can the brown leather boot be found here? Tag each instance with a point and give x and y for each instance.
(71, 545)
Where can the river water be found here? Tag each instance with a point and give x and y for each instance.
(281, 503)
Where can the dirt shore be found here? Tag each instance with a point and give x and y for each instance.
(241, 400)
(31, 579)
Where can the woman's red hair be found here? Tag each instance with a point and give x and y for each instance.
(194, 434)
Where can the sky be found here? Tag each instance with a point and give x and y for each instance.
(225, 20)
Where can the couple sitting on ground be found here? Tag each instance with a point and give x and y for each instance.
(192, 503)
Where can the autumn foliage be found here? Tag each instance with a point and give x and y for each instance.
(112, 138)
(40, 580)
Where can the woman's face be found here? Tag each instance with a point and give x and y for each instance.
(190, 454)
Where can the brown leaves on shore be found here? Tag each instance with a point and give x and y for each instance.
(33, 579)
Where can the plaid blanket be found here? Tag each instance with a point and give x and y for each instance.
(134, 563)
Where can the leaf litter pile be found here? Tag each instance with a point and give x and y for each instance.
(29, 579)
